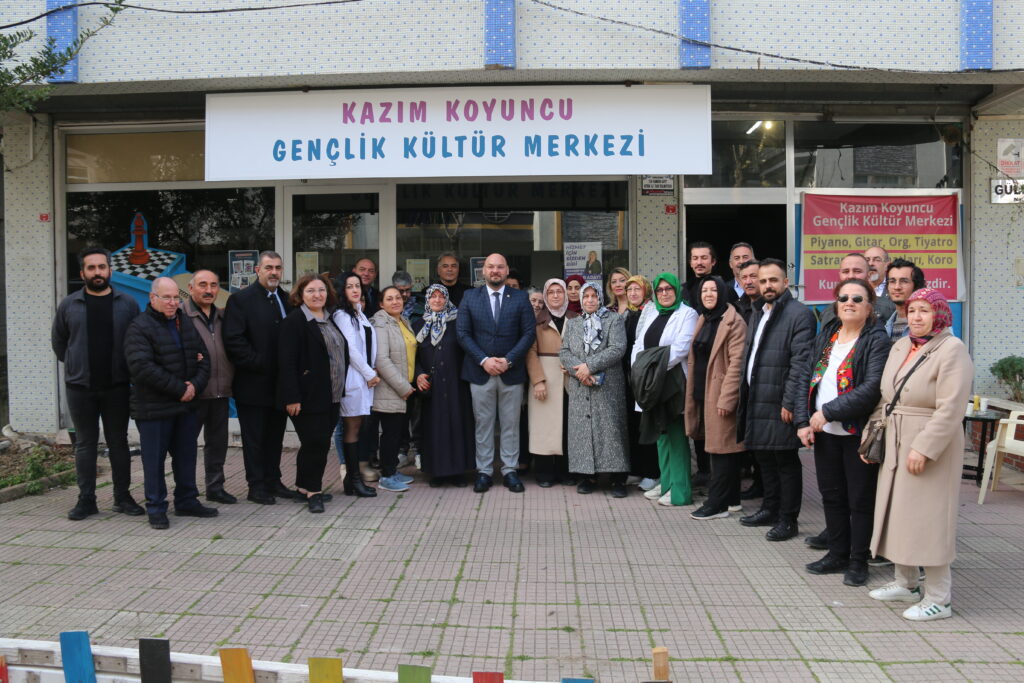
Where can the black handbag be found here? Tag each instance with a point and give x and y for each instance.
(872, 446)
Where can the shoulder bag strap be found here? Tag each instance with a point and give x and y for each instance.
(896, 397)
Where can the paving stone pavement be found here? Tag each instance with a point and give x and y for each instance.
(539, 585)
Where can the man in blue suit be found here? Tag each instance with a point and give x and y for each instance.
(496, 327)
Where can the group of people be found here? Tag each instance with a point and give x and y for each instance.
(584, 381)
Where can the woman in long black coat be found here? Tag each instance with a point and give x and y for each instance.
(448, 448)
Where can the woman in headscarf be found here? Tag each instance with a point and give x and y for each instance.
(448, 447)
(573, 283)
(548, 409)
(643, 457)
(918, 494)
(618, 302)
(669, 323)
(713, 393)
(592, 351)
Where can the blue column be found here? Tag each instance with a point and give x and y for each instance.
(975, 34)
(500, 34)
(694, 22)
(62, 27)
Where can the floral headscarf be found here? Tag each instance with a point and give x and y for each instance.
(435, 322)
(560, 312)
(648, 290)
(574, 306)
(592, 321)
(674, 281)
(943, 316)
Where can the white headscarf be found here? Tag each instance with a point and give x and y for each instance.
(560, 313)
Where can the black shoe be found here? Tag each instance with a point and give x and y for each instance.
(316, 502)
(220, 496)
(260, 498)
(879, 561)
(159, 521)
(328, 497)
(128, 506)
(707, 512)
(458, 481)
(830, 564)
(282, 491)
(754, 491)
(482, 484)
(435, 482)
(783, 531)
(586, 486)
(619, 491)
(857, 574)
(819, 542)
(353, 483)
(569, 481)
(545, 483)
(196, 510)
(85, 507)
(760, 518)
(512, 483)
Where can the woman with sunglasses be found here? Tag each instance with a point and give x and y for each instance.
(848, 358)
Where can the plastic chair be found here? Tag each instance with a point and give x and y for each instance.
(1006, 441)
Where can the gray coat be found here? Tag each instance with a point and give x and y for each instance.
(70, 342)
(392, 365)
(221, 369)
(597, 415)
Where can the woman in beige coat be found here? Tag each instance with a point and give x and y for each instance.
(547, 405)
(396, 359)
(713, 393)
(919, 482)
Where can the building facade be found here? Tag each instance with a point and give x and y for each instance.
(898, 98)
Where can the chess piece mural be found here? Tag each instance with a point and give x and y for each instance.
(136, 264)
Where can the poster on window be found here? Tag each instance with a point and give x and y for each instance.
(476, 269)
(241, 269)
(419, 271)
(921, 228)
(583, 258)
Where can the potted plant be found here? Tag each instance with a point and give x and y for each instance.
(1010, 371)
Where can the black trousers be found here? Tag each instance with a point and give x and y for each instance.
(550, 468)
(702, 457)
(212, 414)
(847, 487)
(314, 431)
(87, 409)
(782, 477)
(392, 426)
(174, 436)
(643, 457)
(724, 487)
(369, 437)
(262, 430)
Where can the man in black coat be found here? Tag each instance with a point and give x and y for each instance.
(746, 276)
(776, 372)
(252, 320)
(169, 368)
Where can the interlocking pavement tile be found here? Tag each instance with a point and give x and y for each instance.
(330, 638)
(759, 645)
(465, 666)
(391, 638)
(691, 644)
(702, 671)
(923, 672)
(615, 644)
(202, 629)
(627, 617)
(473, 614)
(547, 668)
(470, 641)
(989, 620)
(968, 647)
(990, 673)
(367, 590)
(275, 632)
(772, 672)
(606, 593)
(618, 670)
(416, 613)
(288, 607)
(410, 590)
(873, 619)
(128, 627)
(547, 593)
(176, 601)
(853, 672)
(310, 585)
(806, 618)
(498, 572)
(549, 616)
(743, 618)
(897, 647)
(217, 603)
(828, 645)
(546, 643)
(342, 609)
(388, 661)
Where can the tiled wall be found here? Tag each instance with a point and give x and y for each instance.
(1007, 28)
(996, 247)
(657, 233)
(29, 246)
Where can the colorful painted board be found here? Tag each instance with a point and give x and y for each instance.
(155, 660)
(412, 673)
(76, 654)
(5, 676)
(325, 670)
(237, 665)
(488, 677)
(660, 656)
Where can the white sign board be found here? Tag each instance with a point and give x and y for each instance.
(1007, 191)
(1009, 154)
(445, 132)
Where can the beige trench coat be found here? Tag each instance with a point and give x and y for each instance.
(542, 363)
(722, 389)
(915, 515)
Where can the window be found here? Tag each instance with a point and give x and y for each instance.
(745, 154)
(135, 157)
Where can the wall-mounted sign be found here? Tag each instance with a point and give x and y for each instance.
(656, 185)
(1009, 153)
(582, 258)
(438, 132)
(1007, 191)
(921, 228)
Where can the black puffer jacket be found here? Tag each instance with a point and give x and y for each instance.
(869, 357)
(160, 368)
(780, 376)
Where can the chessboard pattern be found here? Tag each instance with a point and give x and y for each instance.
(159, 261)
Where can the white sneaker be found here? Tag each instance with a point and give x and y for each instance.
(654, 493)
(893, 592)
(369, 474)
(928, 611)
(406, 459)
(666, 499)
(647, 483)
(735, 508)
(632, 480)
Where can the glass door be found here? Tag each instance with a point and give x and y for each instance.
(330, 228)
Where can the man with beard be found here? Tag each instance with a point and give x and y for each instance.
(252, 321)
(88, 337)
(746, 276)
(740, 253)
(702, 262)
(775, 376)
(496, 328)
(903, 278)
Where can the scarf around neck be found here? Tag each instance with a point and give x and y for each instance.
(435, 322)
(592, 321)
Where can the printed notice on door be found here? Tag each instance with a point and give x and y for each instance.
(920, 228)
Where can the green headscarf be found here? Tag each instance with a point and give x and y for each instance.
(674, 281)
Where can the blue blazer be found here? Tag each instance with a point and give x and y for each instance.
(480, 338)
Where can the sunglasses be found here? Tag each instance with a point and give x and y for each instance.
(857, 298)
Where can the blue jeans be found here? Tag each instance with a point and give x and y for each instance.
(339, 432)
(176, 435)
